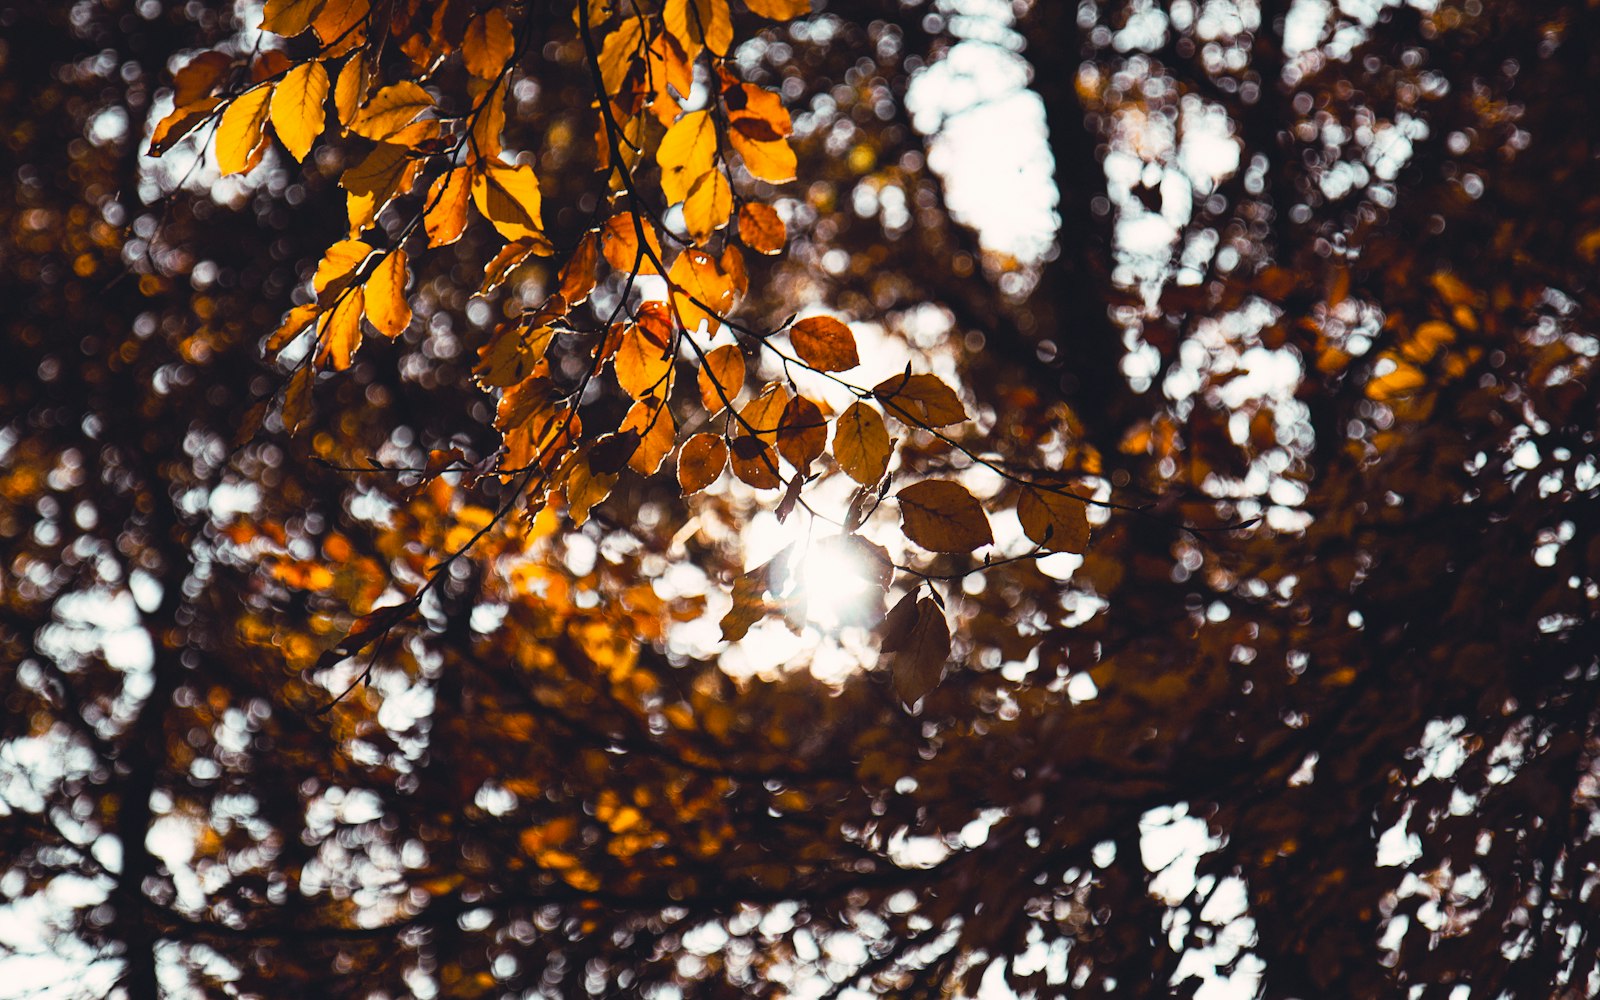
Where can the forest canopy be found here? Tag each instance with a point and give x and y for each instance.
(690, 498)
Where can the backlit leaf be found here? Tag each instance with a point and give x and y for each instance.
(651, 420)
(749, 607)
(802, 432)
(340, 335)
(618, 53)
(643, 361)
(1054, 521)
(388, 171)
(721, 377)
(509, 198)
(700, 290)
(510, 258)
(292, 326)
(338, 265)
(387, 308)
(861, 443)
(171, 129)
(761, 228)
(241, 136)
(585, 489)
(488, 45)
(699, 23)
(942, 516)
(687, 152)
(761, 415)
(490, 122)
(445, 218)
(577, 276)
(755, 462)
(390, 110)
(297, 399)
(199, 77)
(512, 353)
(297, 107)
(289, 17)
(919, 650)
(338, 24)
(700, 461)
(708, 206)
(920, 400)
(779, 10)
(770, 160)
(350, 89)
(620, 243)
(825, 344)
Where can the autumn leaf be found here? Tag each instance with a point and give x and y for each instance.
(171, 129)
(577, 276)
(292, 326)
(700, 290)
(512, 354)
(618, 53)
(510, 258)
(488, 45)
(620, 243)
(657, 434)
(387, 308)
(297, 399)
(585, 488)
(687, 152)
(509, 198)
(445, 217)
(721, 377)
(697, 24)
(297, 107)
(761, 415)
(749, 607)
(942, 516)
(802, 432)
(338, 24)
(761, 228)
(643, 361)
(338, 266)
(917, 640)
(1053, 520)
(241, 136)
(755, 462)
(490, 122)
(861, 443)
(350, 89)
(390, 110)
(779, 10)
(700, 461)
(340, 335)
(771, 160)
(387, 172)
(289, 17)
(825, 344)
(707, 207)
(920, 400)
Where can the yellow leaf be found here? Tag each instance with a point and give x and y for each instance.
(509, 198)
(920, 400)
(338, 25)
(861, 444)
(620, 243)
(941, 516)
(700, 462)
(802, 432)
(390, 110)
(242, 137)
(1053, 520)
(488, 45)
(697, 24)
(510, 258)
(387, 308)
(687, 151)
(721, 377)
(585, 489)
(779, 10)
(761, 415)
(338, 264)
(289, 17)
(297, 399)
(825, 344)
(1404, 380)
(708, 206)
(292, 326)
(577, 277)
(618, 53)
(643, 360)
(657, 434)
(445, 217)
(351, 89)
(340, 335)
(772, 161)
(512, 354)
(490, 122)
(180, 123)
(700, 291)
(388, 171)
(297, 111)
(760, 228)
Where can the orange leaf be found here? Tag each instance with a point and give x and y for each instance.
(825, 344)
(697, 24)
(643, 361)
(700, 462)
(171, 129)
(721, 377)
(708, 205)
(941, 516)
(687, 152)
(297, 399)
(509, 198)
(488, 45)
(289, 17)
(387, 308)
(861, 444)
(341, 332)
(920, 400)
(577, 276)
(1054, 521)
(390, 110)
(802, 432)
(446, 215)
(491, 122)
(297, 108)
(510, 258)
(700, 291)
(338, 24)
(760, 228)
(761, 415)
(657, 434)
(292, 326)
(242, 137)
(749, 607)
(768, 160)
(618, 53)
(621, 244)
(512, 354)
(756, 463)
(779, 10)
(388, 171)
(350, 89)
(339, 263)
(199, 77)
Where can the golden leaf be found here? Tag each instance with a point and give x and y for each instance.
(1053, 520)
(390, 110)
(289, 17)
(620, 243)
(760, 228)
(171, 129)
(242, 137)
(387, 308)
(509, 198)
(643, 361)
(388, 171)
(577, 276)
(700, 462)
(802, 433)
(199, 77)
(772, 160)
(340, 335)
(700, 291)
(721, 377)
(687, 152)
(861, 444)
(488, 45)
(292, 326)
(585, 489)
(708, 205)
(697, 24)
(510, 257)
(761, 415)
(755, 463)
(338, 25)
(825, 344)
(657, 434)
(338, 265)
(297, 108)
(512, 354)
(445, 217)
(920, 400)
(618, 52)
(297, 399)
(490, 122)
(350, 89)
(779, 10)
(942, 516)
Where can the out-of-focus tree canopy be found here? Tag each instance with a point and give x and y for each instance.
(768, 498)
